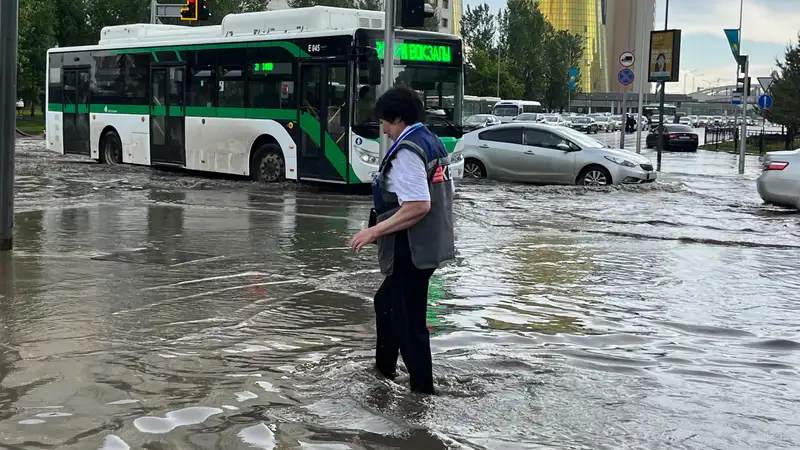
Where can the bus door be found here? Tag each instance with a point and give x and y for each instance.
(76, 111)
(167, 124)
(324, 103)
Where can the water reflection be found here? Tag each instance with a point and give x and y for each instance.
(150, 309)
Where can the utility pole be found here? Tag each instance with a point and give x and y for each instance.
(9, 10)
(625, 88)
(642, 54)
(660, 145)
(388, 61)
(745, 63)
(745, 97)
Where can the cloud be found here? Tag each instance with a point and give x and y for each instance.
(762, 21)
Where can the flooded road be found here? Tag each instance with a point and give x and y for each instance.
(159, 310)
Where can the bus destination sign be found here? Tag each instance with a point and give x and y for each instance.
(412, 51)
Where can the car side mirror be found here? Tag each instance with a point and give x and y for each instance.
(563, 146)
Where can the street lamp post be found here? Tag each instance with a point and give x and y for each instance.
(9, 11)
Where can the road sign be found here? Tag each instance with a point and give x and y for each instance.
(765, 101)
(736, 99)
(625, 77)
(626, 59)
(766, 82)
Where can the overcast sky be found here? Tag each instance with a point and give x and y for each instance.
(768, 26)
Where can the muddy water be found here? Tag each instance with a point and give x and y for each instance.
(148, 309)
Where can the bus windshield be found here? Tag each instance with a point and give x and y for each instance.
(506, 111)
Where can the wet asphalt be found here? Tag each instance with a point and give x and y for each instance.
(165, 310)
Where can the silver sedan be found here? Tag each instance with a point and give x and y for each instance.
(779, 183)
(547, 154)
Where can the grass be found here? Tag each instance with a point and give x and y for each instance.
(752, 148)
(31, 124)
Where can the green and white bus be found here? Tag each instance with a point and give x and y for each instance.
(272, 95)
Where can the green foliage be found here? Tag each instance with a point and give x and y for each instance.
(786, 91)
(478, 28)
(533, 57)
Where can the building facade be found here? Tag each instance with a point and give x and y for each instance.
(622, 34)
(608, 28)
(448, 13)
(586, 19)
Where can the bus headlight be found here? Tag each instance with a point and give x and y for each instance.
(456, 157)
(367, 157)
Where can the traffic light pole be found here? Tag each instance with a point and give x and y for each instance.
(745, 99)
(9, 10)
(388, 61)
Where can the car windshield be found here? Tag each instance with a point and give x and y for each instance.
(527, 116)
(506, 111)
(551, 118)
(476, 119)
(678, 129)
(581, 139)
(581, 120)
(616, 117)
(601, 119)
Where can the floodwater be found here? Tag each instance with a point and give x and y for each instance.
(163, 310)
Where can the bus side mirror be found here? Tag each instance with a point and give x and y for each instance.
(374, 69)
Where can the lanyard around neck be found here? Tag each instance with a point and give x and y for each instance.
(402, 136)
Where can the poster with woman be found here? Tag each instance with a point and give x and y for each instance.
(664, 55)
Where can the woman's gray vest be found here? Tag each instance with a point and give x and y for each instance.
(431, 239)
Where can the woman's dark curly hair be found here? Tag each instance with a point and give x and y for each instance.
(400, 102)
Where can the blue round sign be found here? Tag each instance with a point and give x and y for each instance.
(765, 101)
(625, 77)
(359, 141)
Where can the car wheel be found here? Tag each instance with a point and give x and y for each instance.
(111, 149)
(474, 169)
(594, 176)
(268, 165)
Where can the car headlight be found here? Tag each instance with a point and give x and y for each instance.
(621, 161)
(367, 157)
(456, 157)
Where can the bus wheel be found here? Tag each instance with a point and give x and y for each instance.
(268, 165)
(111, 149)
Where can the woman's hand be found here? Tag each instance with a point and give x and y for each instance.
(363, 238)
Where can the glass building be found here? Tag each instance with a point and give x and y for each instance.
(585, 18)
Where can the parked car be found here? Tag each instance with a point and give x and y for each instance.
(528, 117)
(541, 153)
(555, 119)
(476, 121)
(686, 120)
(585, 124)
(676, 137)
(605, 123)
(779, 182)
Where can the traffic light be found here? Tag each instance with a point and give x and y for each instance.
(414, 12)
(190, 11)
(740, 85)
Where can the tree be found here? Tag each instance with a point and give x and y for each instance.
(786, 90)
(36, 36)
(482, 76)
(478, 28)
(562, 51)
(371, 5)
(523, 22)
(335, 3)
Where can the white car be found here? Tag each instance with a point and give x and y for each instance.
(548, 154)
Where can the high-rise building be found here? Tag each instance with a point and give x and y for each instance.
(585, 18)
(449, 13)
(622, 34)
(608, 28)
